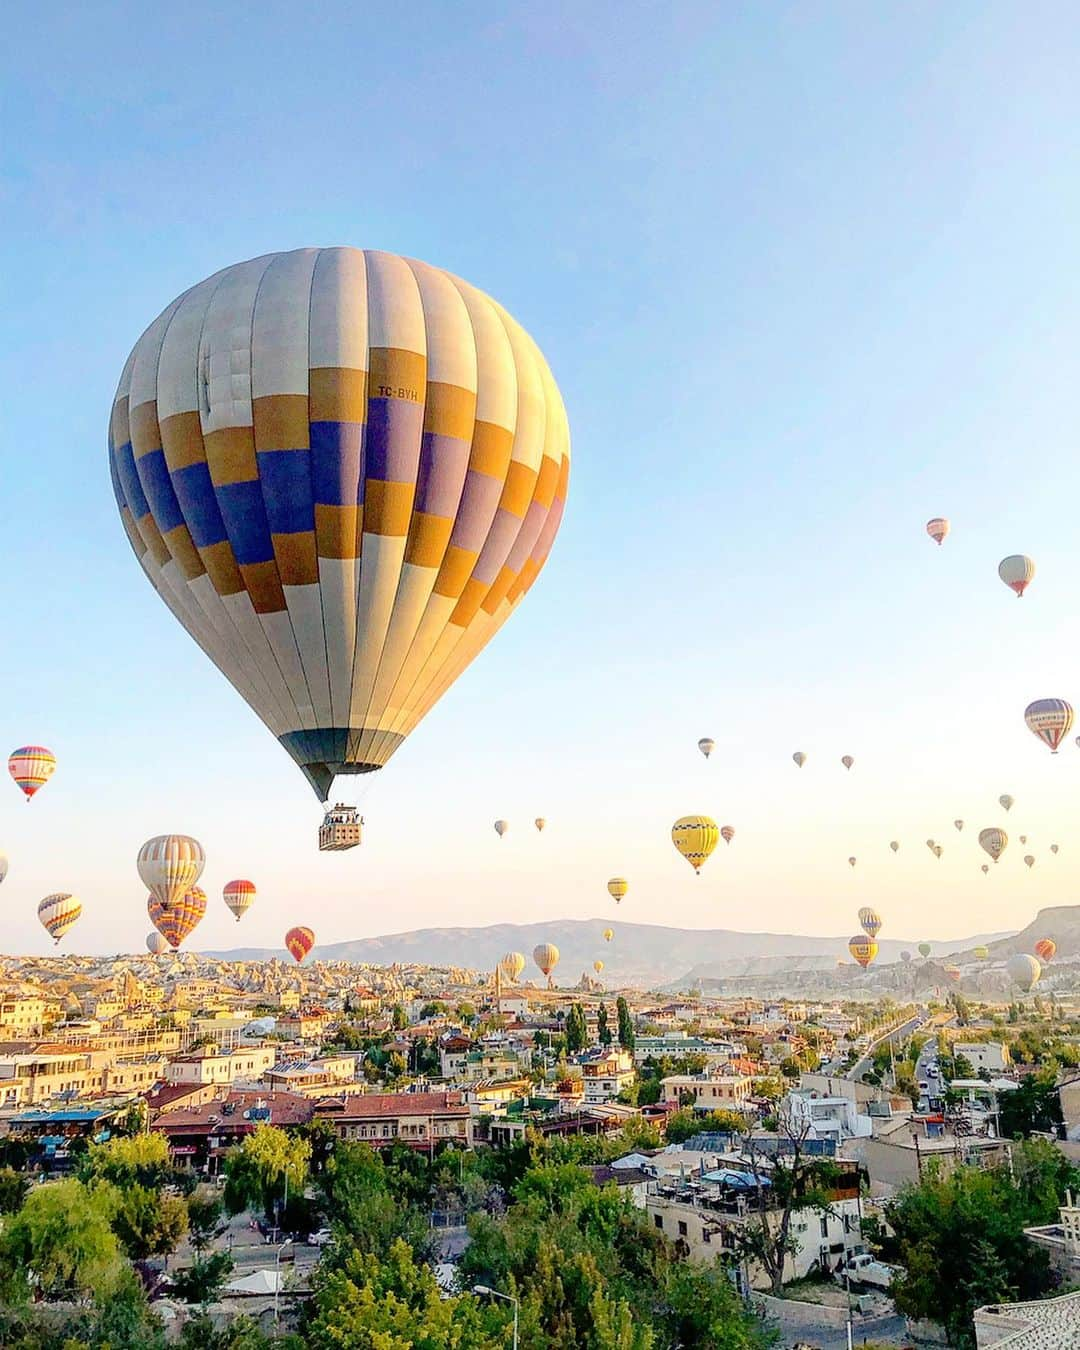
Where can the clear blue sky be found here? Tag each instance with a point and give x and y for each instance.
(807, 275)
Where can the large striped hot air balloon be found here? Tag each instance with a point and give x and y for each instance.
(993, 841)
(1017, 571)
(298, 942)
(863, 949)
(546, 956)
(239, 896)
(341, 470)
(695, 837)
(511, 965)
(1024, 971)
(981, 953)
(1050, 719)
(937, 529)
(156, 944)
(169, 865)
(1046, 950)
(870, 921)
(181, 919)
(617, 888)
(58, 912)
(31, 766)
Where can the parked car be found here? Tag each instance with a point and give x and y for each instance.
(320, 1239)
(866, 1269)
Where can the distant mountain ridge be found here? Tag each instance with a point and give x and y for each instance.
(642, 955)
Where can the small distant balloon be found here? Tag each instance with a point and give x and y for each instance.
(1029, 860)
(847, 761)
(1024, 971)
(706, 745)
(57, 913)
(800, 758)
(1045, 950)
(169, 865)
(598, 966)
(31, 766)
(511, 965)
(298, 942)
(156, 944)
(1023, 838)
(863, 949)
(1050, 719)
(239, 896)
(993, 841)
(959, 824)
(981, 953)
(930, 845)
(501, 826)
(852, 861)
(727, 833)
(905, 957)
(986, 867)
(617, 888)
(540, 822)
(3, 866)
(870, 921)
(894, 844)
(924, 949)
(1053, 848)
(546, 956)
(609, 933)
(939, 849)
(937, 529)
(1006, 801)
(953, 972)
(1017, 571)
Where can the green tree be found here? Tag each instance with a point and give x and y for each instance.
(203, 1280)
(147, 1222)
(576, 1029)
(138, 1160)
(625, 1022)
(269, 1166)
(1033, 1106)
(60, 1243)
(603, 1031)
(686, 1122)
(398, 1020)
(13, 1189)
(204, 1214)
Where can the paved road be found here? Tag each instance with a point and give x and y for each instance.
(876, 1330)
(898, 1033)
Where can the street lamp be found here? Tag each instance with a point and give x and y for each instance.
(485, 1291)
(277, 1278)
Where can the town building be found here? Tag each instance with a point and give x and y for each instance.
(208, 1064)
(708, 1091)
(989, 1055)
(419, 1119)
(604, 1074)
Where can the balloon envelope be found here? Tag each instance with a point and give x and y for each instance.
(937, 529)
(863, 949)
(3, 866)
(924, 949)
(1006, 801)
(993, 841)
(58, 912)
(501, 826)
(239, 896)
(598, 966)
(609, 933)
(546, 956)
(181, 919)
(847, 761)
(706, 745)
(1050, 719)
(895, 845)
(341, 470)
(511, 965)
(959, 824)
(31, 766)
(695, 837)
(727, 833)
(1045, 950)
(540, 822)
(1024, 971)
(156, 944)
(298, 942)
(981, 953)
(1017, 571)
(799, 758)
(1029, 860)
(617, 888)
(169, 865)
(870, 921)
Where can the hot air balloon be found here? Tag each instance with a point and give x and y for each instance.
(937, 529)
(894, 844)
(298, 942)
(1045, 950)
(993, 841)
(341, 470)
(905, 957)
(953, 972)
(181, 919)
(986, 867)
(156, 944)
(239, 896)
(1006, 801)
(546, 956)
(799, 758)
(540, 822)
(1017, 572)
(511, 965)
(847, 761)
(959, 825)
(1029, 860)
(930, 845)
(1050, 719)
(727, 833)
(863, 949)
(981, 953)
(598, 966)
(31, 766)
(169, 865)
(924, 950)
(609, 933)
(870, 921)
(1024, 971)
(1023, 838)
(695, 837)
(1053, 848)
(3, 866)
(852, 861)
(57, 913)
(706, 745)
(617, 888)
(939, 849)
(501, 826)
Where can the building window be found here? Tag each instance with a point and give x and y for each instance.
(682, 1227)
(824, 1226)
(658, 1219)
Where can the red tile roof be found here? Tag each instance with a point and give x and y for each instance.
(365, 1106)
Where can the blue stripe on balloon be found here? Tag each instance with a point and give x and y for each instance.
(285, 476)
(337, 455)
(114, 474)
(245, 518)
(195, 492)
(154, 476)
(129, 477)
